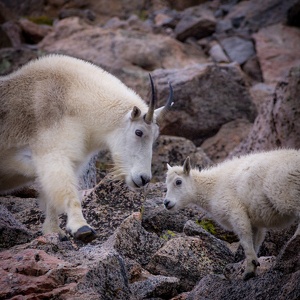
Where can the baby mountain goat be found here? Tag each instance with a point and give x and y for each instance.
(58, 111)
(247, 195)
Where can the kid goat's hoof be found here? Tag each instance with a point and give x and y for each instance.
(249, 275)
(252, 274)
(255, 263)
(85, 234)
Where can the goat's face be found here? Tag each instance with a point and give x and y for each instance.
(132, 151)
(179, 186)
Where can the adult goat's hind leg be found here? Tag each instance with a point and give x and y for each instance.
(16, 169)
(51, 223)
(58, 184)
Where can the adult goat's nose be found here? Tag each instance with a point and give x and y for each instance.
(145, 179)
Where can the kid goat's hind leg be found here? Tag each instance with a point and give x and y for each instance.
(297, 232)
(58, 184)
(258, 237)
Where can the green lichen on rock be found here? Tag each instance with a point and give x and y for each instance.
(168, 235)
(213, 228)
(142, 210)
(41, 20)
(207, 225)
(4, 66)
(142, 14)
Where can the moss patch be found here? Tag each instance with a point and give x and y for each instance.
(213, 228)
(207, 225)
(41, 20)
(4, 66)
(168, 235)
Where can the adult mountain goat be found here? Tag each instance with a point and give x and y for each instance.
(55, 113)
(247, 195)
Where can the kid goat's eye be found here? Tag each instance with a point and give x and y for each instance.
(139, 133)
(178, 182)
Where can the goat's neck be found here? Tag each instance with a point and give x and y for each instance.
(204, 185)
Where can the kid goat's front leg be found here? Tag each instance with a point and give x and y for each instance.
(243, 229)
(58, 183)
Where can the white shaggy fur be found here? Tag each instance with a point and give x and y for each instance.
(247, 195)
(55, 113)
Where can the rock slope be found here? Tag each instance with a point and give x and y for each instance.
(234, 66)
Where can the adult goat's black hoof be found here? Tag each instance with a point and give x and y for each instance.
(85, 234)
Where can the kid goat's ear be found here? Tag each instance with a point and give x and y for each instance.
(169, 167)
(187, 166)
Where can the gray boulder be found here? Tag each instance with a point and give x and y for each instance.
(280, 282)
(174, 150)
(12, 232)
(206, 96)
(190, 259)
(197, 22)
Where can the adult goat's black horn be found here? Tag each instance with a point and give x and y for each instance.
(150, 113)
(168, 105)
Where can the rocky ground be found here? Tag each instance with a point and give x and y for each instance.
(235, 69)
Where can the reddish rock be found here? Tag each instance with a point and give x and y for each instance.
(277, 123)
(278, 49)
(35, 274)
(128, 54)
(228, 137)
(33, 33)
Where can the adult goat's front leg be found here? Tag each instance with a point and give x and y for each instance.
(58, 184)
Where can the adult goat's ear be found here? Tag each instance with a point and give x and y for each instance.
(136, 112)
(187, 166)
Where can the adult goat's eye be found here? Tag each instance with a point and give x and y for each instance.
(139, 133)
(178, 182)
